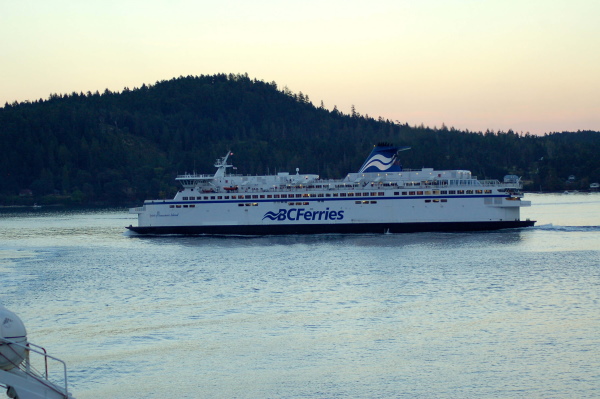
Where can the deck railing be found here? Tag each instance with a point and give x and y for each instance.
(27, 366)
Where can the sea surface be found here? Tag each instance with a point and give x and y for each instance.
(505, 314)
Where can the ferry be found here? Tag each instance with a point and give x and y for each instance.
(382, 197)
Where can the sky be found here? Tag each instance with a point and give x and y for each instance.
(532, 66)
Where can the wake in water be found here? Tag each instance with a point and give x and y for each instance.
(552, 227)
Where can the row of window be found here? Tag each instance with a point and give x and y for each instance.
(445, 192)
(305, 203)
(335, 195)
(285, 196)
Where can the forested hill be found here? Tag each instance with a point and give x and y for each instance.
(121, 148)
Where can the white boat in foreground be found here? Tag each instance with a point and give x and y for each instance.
(381, 197)
(18, 373)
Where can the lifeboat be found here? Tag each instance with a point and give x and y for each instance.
(232, 188)
(13, 340)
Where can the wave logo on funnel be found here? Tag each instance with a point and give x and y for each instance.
(384, 157)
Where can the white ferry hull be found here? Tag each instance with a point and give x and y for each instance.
(378, 215)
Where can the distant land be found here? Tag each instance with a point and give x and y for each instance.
(119, 148)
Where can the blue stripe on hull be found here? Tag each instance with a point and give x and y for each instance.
(355, 228)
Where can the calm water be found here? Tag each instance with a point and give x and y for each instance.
(506, 314)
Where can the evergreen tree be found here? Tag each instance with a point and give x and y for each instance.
(128, 146)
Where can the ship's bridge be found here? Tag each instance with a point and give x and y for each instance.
(192, 180)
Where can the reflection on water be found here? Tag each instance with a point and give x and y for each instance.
(337, 240)
(496, 314)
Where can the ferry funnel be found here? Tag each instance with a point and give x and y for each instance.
(383, 158)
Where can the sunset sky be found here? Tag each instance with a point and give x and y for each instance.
(528, 65)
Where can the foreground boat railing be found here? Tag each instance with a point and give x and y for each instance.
(27, 377)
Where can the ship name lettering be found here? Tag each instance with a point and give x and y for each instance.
(295, 214)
